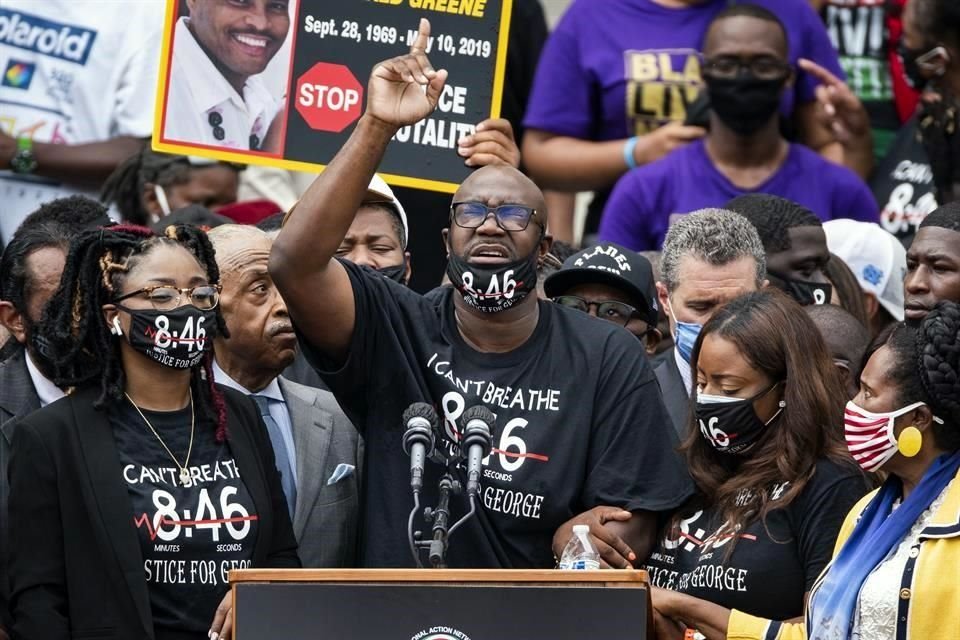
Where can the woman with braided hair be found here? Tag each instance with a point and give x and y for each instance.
(150, 185)
(893, 575)
(133, 497)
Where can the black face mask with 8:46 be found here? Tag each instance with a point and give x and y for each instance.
(175, 338)
(493, 289)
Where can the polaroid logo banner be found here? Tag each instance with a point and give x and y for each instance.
(26, 31)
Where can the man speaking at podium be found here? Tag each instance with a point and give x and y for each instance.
(579, 419)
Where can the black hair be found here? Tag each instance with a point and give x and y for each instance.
(945, 217)
(54, 224)
(773, 218)
(561, 250)
(271, 223)
(124, 187)
(752, 11)
(73, 212)
(939, 20)
(81, 348)
(927, 368)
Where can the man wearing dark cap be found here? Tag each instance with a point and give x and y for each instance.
(611, 283)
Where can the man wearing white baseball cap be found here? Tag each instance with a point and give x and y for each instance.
(378, 236)
(879, 262)
(379, 233)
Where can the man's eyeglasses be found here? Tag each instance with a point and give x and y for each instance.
(167, 298)
(763, 67)
(509, 217)
(617, 312)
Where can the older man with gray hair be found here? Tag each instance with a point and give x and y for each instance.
(315, 446)
(709, 257)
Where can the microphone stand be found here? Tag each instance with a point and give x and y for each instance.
(441, 516)
(438, 545)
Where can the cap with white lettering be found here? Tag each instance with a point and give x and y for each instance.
(613, 265)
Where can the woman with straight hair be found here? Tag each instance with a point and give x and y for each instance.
(894, 572)
(765, 449)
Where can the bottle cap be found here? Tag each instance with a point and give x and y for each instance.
(581, 529)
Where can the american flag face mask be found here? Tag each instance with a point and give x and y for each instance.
(870, 436)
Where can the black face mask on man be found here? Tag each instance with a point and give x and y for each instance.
(805, 293)
(495, 288)
(397, 272)
(744, 103)
(177, 338)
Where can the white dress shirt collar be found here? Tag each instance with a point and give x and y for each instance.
(271, 391)
(46, 390)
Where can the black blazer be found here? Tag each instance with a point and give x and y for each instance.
(18, 398)
(76, 567)
(675, 395)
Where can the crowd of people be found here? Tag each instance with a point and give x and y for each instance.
(742, 374)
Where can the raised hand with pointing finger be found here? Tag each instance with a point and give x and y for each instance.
(406, 89)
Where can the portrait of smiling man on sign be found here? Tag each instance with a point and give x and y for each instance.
(218, 94)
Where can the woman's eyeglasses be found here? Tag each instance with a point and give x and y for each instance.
(167, 298)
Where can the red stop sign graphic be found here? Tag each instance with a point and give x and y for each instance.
(329, 97)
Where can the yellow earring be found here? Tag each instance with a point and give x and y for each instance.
(909, 442)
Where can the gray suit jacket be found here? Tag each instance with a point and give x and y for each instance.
(18, 397)
(675, 394)
(326, 514)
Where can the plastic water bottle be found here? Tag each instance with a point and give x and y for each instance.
(580, 554)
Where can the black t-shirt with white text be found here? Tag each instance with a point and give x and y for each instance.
(580, 423)
(903, 184)
(771, 567)
(190, 536)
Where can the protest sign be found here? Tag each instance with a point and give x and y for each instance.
(283, 82)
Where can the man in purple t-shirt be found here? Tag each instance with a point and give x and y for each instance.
(746, 70)
(617, 78)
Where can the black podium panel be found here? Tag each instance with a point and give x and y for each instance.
(324, 611)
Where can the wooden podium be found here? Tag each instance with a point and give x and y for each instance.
(440, 604)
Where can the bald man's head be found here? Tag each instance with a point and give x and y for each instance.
(494, 186)
(846, 339)
(500, 183)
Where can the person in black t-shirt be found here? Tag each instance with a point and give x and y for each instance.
(579, 420)
(132, 498)
(766, 450)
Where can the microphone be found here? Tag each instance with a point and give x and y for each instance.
(418, 439)
(477, 439)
